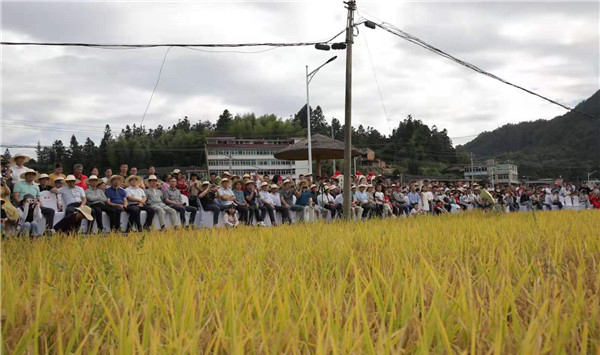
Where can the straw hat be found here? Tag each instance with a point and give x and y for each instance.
(205, 183)
(362, 185)
(313, 185)
(287, 181)
(176, 171)
(29, 171)
(225, 173)
(42, 176)
(70, 178)
(264, 183)
(249, 182)
(19, 155)
(115, 177)
(246, 176)
(86, 211)
(134, 177)
(274, 186)
(223, 180)
(151, 177)
(53, 181)
(92, 177)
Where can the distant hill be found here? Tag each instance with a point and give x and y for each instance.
(567, 145)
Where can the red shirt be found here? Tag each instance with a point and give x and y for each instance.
(81, 182)
(182, 187)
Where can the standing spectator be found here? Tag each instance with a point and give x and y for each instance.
(94, 171)
(123, 169)
(182, 184)
(194, 188)
(172, 197)
(133, 171)
(77, 172)
(58, 172)
(136, 202)
(107, 175)
(96, 199)
(16, 166)
(72, 195)
(154, 201)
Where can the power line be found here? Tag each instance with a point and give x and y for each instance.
(387, 119)
(410, 38)
(155, 85)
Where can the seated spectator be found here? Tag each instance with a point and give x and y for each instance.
(182, 184)
(44, 183)
(265, 204)
(154, 201)
(172, 197)
(240, 202)
(71, 223)
(11, 211)
(30, 217)
(28, 186)
(276, 201)
(439, 206)
(58, 172)
(117, 197)
(96, 199)
(72, 195)
(363, 200)
(250, 194)
(136, 202)
(225, 194)
(78, 173)
(231, 220)
(416, 210)
(17, 169)
(95, 172)
(207, 198)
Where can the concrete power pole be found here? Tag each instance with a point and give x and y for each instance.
(472, 176)
(332, 136)
(351, 6)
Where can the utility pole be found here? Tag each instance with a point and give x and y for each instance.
(308, 125)
(351, 6)
(333, 137)
(472, 176)
(590, 174)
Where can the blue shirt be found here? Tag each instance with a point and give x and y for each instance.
(251, 202)
(303, 199)
(413, 197)
(116, 196)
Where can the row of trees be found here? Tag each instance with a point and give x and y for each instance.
(183, 144)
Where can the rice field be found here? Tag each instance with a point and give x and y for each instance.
(518, 283)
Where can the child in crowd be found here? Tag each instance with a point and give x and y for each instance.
(416, 210)
(231, 220)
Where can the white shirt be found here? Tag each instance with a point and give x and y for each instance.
(276, 199)
(71, 195)
(225, 192)
(324, 198)
(266, 196)
(16, 172)
(379, 197)
(137, 193)
(339, 199)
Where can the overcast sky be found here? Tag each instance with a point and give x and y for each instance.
(549, 47)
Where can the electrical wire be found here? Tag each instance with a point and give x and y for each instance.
(410, 38)
(155, 85)
(387, 118)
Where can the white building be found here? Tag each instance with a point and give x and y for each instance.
(251, 155)
(494, 172)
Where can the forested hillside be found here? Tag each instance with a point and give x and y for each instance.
(568, 145)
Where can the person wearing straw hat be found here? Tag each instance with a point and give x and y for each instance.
(97, 201)
(71, 223)
(28, 186)
(154, 200)
(250, 194)
(72, 195)
(276, 199)
(136, 202)
(43, 181)
(172, 197)
(225, 194)
(16, 166)
(265, 204)
(363, 200)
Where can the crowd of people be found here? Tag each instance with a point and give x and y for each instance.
(179, 200)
